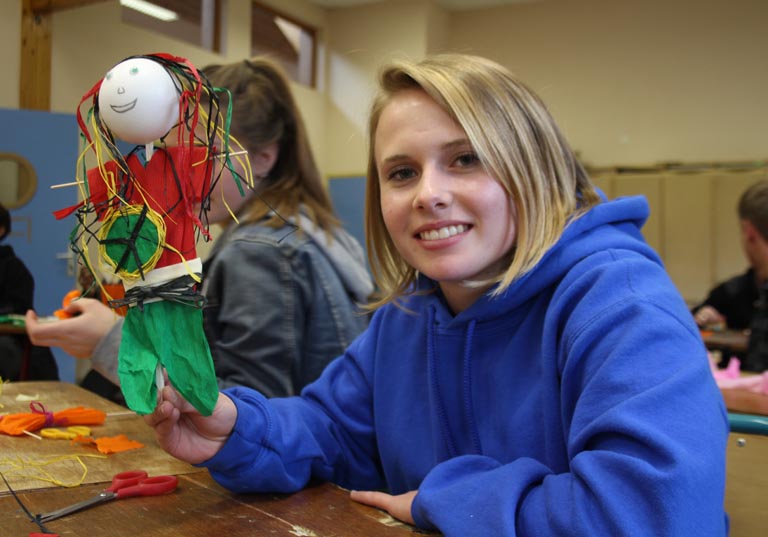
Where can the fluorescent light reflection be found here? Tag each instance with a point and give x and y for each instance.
(151, 10)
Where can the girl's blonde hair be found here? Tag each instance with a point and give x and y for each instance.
(515, 138)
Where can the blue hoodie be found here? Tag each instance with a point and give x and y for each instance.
(577, 402)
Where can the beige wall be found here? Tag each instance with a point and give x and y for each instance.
(10, 39)
(630, 82)
(360, 39)
(87, 41)
(638, 81)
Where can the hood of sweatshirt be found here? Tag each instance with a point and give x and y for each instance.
(609, 225)
(6, 251)
(345, 254)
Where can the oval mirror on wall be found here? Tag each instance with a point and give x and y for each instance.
(18, 180)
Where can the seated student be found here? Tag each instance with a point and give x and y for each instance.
(741, 302)
(93, 380)
(282, 287)
(17, 289)
(530, 368)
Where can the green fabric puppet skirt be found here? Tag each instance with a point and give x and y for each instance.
(170, 334)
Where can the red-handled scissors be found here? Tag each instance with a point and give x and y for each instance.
(124, 485)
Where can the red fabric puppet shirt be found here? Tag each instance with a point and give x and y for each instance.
(161, 185)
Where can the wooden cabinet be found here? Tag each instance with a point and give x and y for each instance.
(694, 224)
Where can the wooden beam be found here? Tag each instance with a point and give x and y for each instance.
(40, 7)
(35, 75)
(35, 72)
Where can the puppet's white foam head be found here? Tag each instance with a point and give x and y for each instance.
(138, 101)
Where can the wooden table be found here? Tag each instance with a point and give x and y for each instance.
(747, 467)
(745, 402)
(727, 341)
(198, 507)
(736, 400)
(15, 330)
(12, 329)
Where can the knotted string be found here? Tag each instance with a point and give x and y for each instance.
(38, 408)
(180, 290)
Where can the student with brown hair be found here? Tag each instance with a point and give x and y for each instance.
(741, 302)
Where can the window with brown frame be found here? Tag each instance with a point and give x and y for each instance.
(286, 40)
(194, 21)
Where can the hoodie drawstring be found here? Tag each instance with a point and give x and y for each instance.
(468, 401)
(466, 386)
(431, 360)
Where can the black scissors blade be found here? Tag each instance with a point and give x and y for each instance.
(34, 519)
(101, 497)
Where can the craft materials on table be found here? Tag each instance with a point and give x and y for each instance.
(73, 421)
(39, 418)
(731, 378)
(122, 442)
(34, 519)
(110, 444)
(124, 485)
(70, 433)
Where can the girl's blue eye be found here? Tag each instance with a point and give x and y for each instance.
(467, 159)
(134, 70)
(400, 174)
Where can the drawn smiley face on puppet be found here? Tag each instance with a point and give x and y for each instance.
(139, 101)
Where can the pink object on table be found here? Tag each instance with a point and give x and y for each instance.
(730, 378)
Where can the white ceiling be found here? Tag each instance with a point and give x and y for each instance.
(448, 4)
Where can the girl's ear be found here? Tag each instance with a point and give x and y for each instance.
(747, 229)
(263, 159)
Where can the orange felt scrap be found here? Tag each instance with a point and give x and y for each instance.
(82, 440)
(109, 444)
(16, 424)
(116, 444)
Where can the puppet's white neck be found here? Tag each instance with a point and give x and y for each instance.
(148, 149)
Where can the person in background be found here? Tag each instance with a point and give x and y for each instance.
(17, 286)
(93, 380)
(741, 303)
(284, 286)
(530, 368)
(17, 291)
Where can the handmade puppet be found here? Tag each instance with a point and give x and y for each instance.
(149, 205)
